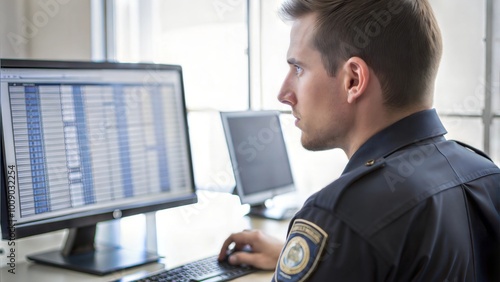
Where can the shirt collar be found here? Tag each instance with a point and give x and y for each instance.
(411, 129)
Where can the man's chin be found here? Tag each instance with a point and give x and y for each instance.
(313, 145)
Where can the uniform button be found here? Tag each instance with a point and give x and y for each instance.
(370, 162)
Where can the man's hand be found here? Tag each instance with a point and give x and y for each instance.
(265, 250)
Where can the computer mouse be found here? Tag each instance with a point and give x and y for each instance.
(231, 251)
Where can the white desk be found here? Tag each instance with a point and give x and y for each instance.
(31, 272)
(184, 234)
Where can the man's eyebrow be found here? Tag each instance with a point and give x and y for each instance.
(293, 61)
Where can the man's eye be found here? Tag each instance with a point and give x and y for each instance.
(298, 70)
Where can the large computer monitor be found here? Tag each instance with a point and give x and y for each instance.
(260, 161)
(85, 142)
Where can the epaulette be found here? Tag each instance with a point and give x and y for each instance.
(475, 150)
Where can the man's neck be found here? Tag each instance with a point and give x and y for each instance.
(370, 124)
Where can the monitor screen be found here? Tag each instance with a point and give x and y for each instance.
(87, 142)
(258, 155)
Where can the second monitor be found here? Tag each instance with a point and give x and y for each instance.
(260, 161)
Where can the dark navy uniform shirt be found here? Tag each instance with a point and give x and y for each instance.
(409, 206)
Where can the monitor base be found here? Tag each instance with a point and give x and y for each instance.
(101, 261)
(80, 253)
(273, 212)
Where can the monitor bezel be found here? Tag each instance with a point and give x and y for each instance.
(258, 198)
(91, 217)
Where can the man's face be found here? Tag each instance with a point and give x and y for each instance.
(318, 100)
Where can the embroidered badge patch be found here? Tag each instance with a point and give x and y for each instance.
(301, 252)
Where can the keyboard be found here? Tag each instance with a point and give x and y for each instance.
(204, 270)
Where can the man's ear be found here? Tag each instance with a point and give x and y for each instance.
(356, 79)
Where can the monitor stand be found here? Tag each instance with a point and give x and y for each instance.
(272, 211)
(80, 254)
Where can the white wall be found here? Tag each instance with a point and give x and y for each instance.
(10, 28)
(45, 29)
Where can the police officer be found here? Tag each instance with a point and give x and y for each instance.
(410, 205)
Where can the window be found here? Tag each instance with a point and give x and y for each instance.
(467, 87)
(208, 38)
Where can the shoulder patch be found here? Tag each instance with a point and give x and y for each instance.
(301, 253)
